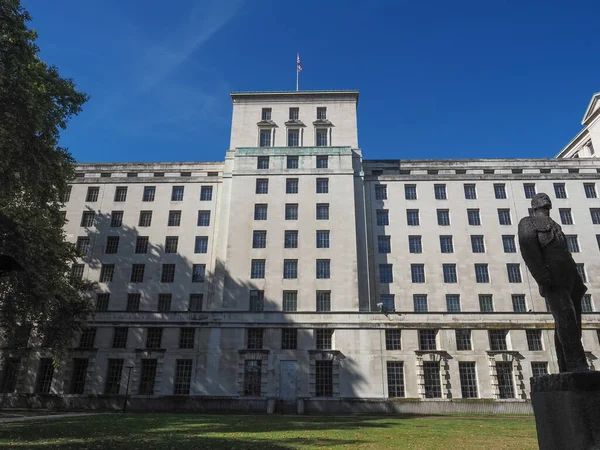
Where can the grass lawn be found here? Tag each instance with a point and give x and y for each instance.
(189, 431)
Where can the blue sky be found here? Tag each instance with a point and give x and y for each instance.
(438, 79)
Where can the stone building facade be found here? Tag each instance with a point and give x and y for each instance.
(297, 271)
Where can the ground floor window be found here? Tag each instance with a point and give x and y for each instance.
(78, 376)
(9, 377)
(252, 377)
(183, 377)
(468, 379)
(395, 375)
(539, 368)
(45, 374)
(324, 378)
(148, 376)
(113, 376)
(504, 373)
(431, 375)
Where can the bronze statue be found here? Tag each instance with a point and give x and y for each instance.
(544, 249)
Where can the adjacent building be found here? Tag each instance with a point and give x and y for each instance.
(296, 270)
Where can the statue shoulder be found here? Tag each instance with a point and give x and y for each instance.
(536, 223)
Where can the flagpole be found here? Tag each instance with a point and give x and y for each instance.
(297, 73)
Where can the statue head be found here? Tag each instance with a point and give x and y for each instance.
(541, 200)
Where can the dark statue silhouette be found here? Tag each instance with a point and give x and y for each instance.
(544, 249)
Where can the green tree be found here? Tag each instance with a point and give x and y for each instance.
(35, 105)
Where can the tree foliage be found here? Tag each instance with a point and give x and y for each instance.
(35, 105)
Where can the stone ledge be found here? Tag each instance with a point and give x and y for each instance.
(568, 381)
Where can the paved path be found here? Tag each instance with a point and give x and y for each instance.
(47, 416)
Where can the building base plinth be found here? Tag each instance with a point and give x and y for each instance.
(567, 410)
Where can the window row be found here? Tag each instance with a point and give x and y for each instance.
(290, 239)
(138, 271)
(293, 161)
(295, 136)
(417, 271)
(93, 193)
(163, 304)
(290, 269)
(291, 211)
(141, 244)
(88, 218)
(294, 113)
(291, 185)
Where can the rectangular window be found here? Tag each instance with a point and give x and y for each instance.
(195, 302)
(446, 244)
(177, 194)
(147, 376)
(262, 186)
(291, 211)
(145, 219)
(262, 162)
(201, 244)
(257, 300)
(92, 194)
(514, 273)
(539, 369)
(590, 190)
(266, 114)
(290, 301)
(260, 211)
(414, 244)
(78, 375)
(265, 138)
(323, 339)
(77, 271)
(468, 379)
(443, 217)
(572, 243)
(323, 301)
(174, 218)
(322, 162)
(534, 340)
(120, 337)
(323, 269)
(292, 161)
(121, 194)
(87, 338)
(107, 272)
(497, 340)
(427, 340)
(473, 216)
(412, 217)
(410, 191)
(508, 243)
(154, 337)
(463, 339)
(380, 192)
(388, 302)
(203, 218)
(384, 244)
(67, 194)
(504, 372)
(116, 219)
(482, 274)
(289, 339)
(206, 193)
(133, 302)
(252, 377)
(294, 113)
(453, 303)
(470, 192)
(113, 376)
(322, 211)
(383, 218)
(586, 304)
(559, 190)
(257, 269)
(291, 185)
(504, 216)
(83, 245)
(440, 191)
(420, 303)
(183, 377)
(322, 238)
(171, 244)
(500, 191)
(324, 378)
(529, 189)
(102, 301)
(432, 380)
(322, 137)
(392, 339)
(477, 244)
(293, 141)
(290, 239)
(449, 271)
(386, 274)
(44, 376)
(87, 219)
(254, 338)
(486, 303)
(137, 273)
(164, 302)
(259, 239)
(581, 271)
(595, 213)
(149, 193)
(565, 216)
(321, 113)
(290, 269)
(417, 273)
(167, 273)
(518, 302)
(395, 378)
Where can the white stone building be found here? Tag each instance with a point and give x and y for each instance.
(296, 270)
